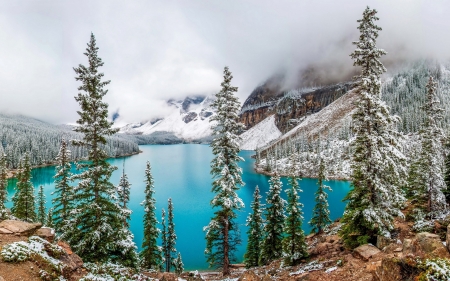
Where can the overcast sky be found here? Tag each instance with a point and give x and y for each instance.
(156, 50)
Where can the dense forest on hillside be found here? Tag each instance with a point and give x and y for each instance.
(20, 134)
(404, 93)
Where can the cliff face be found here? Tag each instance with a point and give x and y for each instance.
(289, 107)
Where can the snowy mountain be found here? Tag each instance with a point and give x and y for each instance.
(188, 121)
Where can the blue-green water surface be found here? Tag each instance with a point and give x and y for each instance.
(181, 172)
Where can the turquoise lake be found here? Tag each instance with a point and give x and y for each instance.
(181, 172)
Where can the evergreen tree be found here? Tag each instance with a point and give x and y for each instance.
(24, 206)
(255, 225)
(123, 192)
(446, 191)
(64, 195)
(321, 212)
(171, 237)
(99, 234)
(151, 253)
(49, 220)
(3, 186)
(221, 232)
(294, 245)
(42, 212)
(178, 264)
(431, 158)
(378, 163)
(271, 247)
(163, 239)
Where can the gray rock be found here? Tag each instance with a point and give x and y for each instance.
(19, 227)
(365, 252)
(46, 233)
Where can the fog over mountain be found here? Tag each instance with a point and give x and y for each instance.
(156, 50)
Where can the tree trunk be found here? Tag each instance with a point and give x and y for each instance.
(226, 259)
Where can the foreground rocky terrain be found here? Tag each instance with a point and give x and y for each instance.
(402, 257)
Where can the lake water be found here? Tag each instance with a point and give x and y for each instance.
(181, 172)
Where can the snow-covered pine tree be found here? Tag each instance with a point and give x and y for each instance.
(64, 195)
(131, 257)
(294, 245)
(432, 158)
(221, 232)
(3, 186)
(151, 252)
(178, 264)
(49, 220)
(255, 225)
(446, 191)
(99, 234)
(163, 239)
(123, 192)
(378, 163)
(271, 247)
(171, 238)
(41, 212)
(321, 212)
(24, 206)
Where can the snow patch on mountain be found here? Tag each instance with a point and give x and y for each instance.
(189, 120)
(260, 135)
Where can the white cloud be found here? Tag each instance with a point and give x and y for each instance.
(155, 50)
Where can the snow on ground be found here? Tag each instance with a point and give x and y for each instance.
(260, 135)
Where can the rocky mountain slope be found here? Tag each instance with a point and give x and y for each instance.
(188, 121)
(288, 106)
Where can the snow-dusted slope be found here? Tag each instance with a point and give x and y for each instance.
(329, 120)
(188, 121)
(260, 135)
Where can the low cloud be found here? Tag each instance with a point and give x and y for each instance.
(156, 50)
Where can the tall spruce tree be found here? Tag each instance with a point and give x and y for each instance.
(171, 237)
(3, 186)
(99, 234)
(321, 211)
(271, 247)
(378, 163)
(151, 252)
(294, 245)
(123, 192)
(24, 204)
(163, 239)
(255, 225)
(431, 164)
(222, 231)
(42, 212)
(64, 195)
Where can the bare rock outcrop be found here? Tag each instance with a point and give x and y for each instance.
(365, 252)
(15, 227)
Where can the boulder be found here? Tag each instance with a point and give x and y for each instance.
(19, 227)
(5, 231)
(383, 241)
(431, 245)
(168, 276)
(389, 270)
(373, 266)
(46, 233)
(407, 247)
(249, 276)
(365, 252)
(72, 261)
